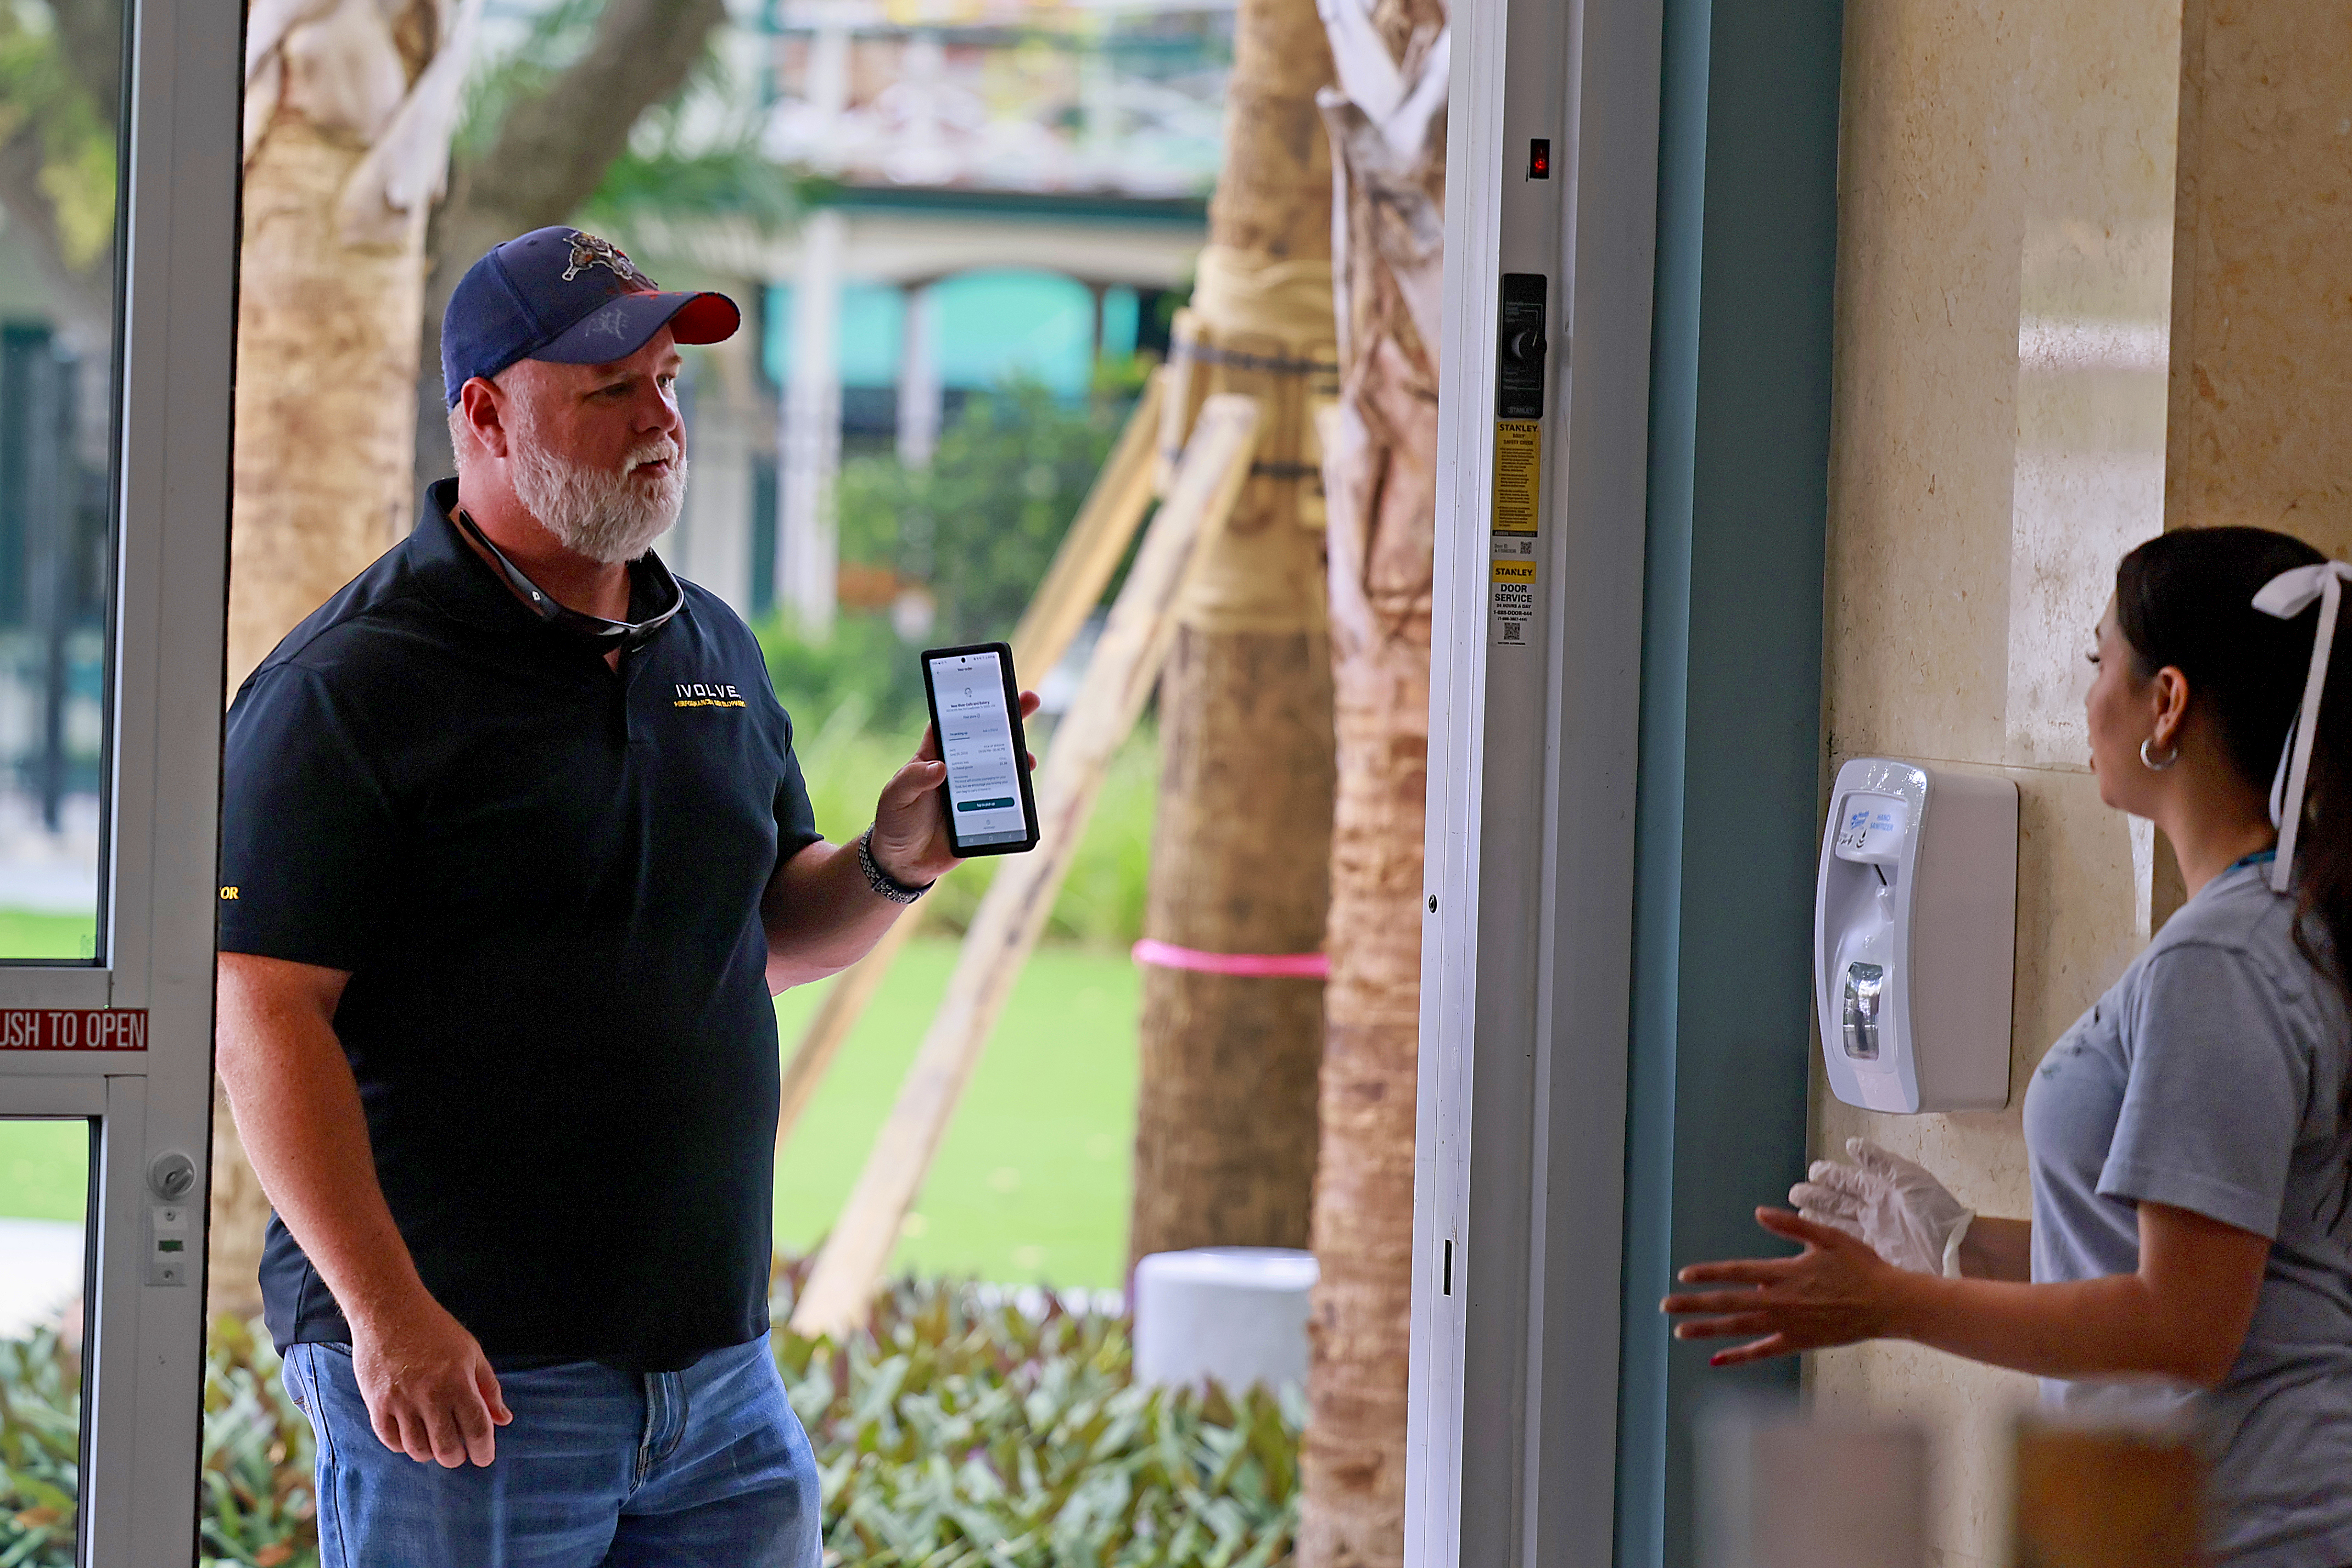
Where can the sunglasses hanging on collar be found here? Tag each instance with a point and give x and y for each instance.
(594, 630)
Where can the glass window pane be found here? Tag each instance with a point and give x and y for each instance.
(44, 1204)
(60, 102)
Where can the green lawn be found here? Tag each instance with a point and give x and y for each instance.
(1032, 1184)
(43, 1169)
(25, 934)
(44, 1165)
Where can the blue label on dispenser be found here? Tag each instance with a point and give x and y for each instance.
(1871, 827)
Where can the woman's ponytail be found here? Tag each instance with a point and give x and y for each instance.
(2324, 847)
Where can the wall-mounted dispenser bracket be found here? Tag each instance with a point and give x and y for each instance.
(1914, 926)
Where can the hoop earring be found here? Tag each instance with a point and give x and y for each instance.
(2150, 764)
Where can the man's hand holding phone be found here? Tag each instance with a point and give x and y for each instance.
(911, 830)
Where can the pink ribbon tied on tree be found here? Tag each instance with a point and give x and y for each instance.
(2287, 595)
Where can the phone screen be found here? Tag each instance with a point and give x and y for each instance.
(978, 740)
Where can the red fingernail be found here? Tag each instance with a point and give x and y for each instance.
(1716, 1360)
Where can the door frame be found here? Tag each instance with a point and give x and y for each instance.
(144, 1356)
(1520, 1169)
(1616, 1018)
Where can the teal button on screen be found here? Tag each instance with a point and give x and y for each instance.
(984, 804)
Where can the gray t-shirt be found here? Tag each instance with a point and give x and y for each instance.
(2212, 1078)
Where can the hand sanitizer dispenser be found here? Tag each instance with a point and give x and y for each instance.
(1915, 930)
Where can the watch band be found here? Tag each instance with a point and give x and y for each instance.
(881, 881)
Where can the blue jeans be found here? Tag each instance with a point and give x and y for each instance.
(599, 1469)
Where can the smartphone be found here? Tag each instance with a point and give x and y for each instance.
(976, 714)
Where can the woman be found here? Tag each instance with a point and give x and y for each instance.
(2189, 1137)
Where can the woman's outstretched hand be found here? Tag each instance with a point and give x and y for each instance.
(1836, 1292)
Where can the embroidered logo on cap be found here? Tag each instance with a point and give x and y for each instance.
(587, 251)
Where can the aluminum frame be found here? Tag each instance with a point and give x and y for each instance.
(1527, 953)
(145, 1357)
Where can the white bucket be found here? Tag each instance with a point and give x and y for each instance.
(1237, 1314)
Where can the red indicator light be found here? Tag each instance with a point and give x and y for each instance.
(1539, 159)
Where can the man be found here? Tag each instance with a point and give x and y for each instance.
(514, 849)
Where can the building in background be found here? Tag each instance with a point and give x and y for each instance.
(55, 365)
(1003, 189)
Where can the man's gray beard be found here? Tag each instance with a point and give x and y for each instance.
(606, 517)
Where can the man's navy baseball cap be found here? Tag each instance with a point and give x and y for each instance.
(561, 295)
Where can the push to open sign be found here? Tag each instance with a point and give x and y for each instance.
(73, 1028)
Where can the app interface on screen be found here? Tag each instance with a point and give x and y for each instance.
(976, 741)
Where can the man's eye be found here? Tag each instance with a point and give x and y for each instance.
(2093, 658)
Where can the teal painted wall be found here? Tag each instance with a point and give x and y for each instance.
(1730, 760)
(995, 324)
(992, 325)
(872, 327)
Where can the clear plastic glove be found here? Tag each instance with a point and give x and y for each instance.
(1906, 1215)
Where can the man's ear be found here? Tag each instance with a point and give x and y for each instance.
(485, 414)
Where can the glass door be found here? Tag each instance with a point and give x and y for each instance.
(118, 161)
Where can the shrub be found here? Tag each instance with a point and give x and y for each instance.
(975, 529)
(863, 666)
(40, 1432)
(978, 524)
(255, 1477)
(257, 1504)
(962, 1429)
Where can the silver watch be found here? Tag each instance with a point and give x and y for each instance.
(881, 881)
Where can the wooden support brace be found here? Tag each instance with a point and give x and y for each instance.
(1013, 914)
(1095, 542)
(1082, 567)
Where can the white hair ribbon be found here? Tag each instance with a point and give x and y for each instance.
(2287, 595)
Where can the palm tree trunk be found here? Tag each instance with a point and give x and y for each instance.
(324, 329)
(1381, 472)
(345, 133)
(1225, 1125)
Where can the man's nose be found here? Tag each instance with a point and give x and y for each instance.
(659, 416)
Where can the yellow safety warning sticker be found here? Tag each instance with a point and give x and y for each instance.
(1515, 572)
(1518, 474)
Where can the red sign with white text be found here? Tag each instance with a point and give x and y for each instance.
(73, 1028)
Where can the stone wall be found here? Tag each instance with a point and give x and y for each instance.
(2095, 280)
(2005, 305)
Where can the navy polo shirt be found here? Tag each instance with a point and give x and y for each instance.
(543, 877)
